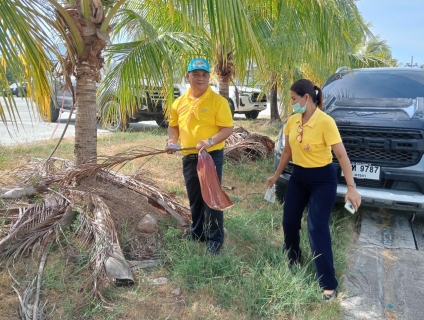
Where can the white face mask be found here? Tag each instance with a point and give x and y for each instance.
(298, 109)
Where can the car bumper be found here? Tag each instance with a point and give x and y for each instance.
(381, 198)
(252, 107)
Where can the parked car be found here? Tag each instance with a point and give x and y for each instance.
(19, 89)
(61, 99)
(251, 101)
(245, 100)
(150, 107)
(380, 116)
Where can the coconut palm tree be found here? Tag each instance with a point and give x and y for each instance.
(84, 26)
(195, 29)
(372, 52)
(27, 33)
(23, 43)
(297, 43)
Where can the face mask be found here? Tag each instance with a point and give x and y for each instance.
(298, 109)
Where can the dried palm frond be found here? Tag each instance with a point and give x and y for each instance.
(26, 308)
(156, 197)
(243, 145)
(30, 306)
(107, 256)
(106, 163)
(34, 226)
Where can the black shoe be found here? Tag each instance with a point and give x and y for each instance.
(328, 297)
(293, 257)
(213, 247)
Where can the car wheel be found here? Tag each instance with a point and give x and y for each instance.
(231, 103)
(162, 123)
(280, 191)
(252, 114)
(112, 119)
(54, 114)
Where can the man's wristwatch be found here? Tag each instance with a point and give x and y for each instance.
(353, 184)
(210, 140)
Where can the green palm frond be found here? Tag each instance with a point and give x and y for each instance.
(23, 45)
(372, 52)
(297, 43)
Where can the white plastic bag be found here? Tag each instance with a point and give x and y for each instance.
(270, 194)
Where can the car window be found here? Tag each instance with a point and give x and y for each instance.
(382, 84)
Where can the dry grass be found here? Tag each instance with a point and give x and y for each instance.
(144, 300)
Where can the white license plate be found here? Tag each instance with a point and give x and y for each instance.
(365, 171)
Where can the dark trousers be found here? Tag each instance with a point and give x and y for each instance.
(318, 186)
(207, 224)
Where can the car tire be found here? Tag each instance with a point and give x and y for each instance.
(54, 113)
(232, 108)
(280, 191)
(111, 117)
(252, 114)
(162, 123)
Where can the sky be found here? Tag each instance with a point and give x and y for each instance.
(400, 23)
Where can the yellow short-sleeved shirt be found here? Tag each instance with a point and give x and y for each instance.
(199, 119)
(319, 134)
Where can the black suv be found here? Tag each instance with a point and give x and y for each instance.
(380, 116)
(149, 107)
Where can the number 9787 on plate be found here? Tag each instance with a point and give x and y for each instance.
(365, 171)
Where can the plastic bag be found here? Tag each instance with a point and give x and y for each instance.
(210, 186)
(270, 194)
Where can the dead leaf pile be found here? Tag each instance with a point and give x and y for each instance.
(242, 145)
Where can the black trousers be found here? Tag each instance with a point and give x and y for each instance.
(207, 224)
(318, 186)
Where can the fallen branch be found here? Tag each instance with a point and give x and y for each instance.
(39, 276)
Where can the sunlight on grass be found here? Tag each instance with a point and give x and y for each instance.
(252, 276)
(250, 279)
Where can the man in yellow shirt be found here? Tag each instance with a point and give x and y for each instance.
(202, 119)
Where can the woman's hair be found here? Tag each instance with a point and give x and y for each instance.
(305, 86)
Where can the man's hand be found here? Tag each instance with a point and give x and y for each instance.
(171, 146)
(203, 145)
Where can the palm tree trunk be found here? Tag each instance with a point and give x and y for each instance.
(89, 62)
(224, 88)
(224, 70)
(86, 120)
(275, 115)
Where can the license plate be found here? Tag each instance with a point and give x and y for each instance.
(365, 171)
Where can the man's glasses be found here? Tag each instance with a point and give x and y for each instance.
(300, 136)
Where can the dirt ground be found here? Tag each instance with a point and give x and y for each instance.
(128, 208)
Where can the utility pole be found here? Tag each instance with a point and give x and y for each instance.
(412, 63)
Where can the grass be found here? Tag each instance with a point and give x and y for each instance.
(250, 279)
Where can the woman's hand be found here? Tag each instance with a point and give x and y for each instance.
(271, 181)
(355, 198)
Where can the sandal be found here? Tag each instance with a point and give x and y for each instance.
(328, 297)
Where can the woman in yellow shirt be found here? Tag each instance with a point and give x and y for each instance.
(310, 136)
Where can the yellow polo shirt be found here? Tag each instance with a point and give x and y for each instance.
(319, 134)
(200, 119)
